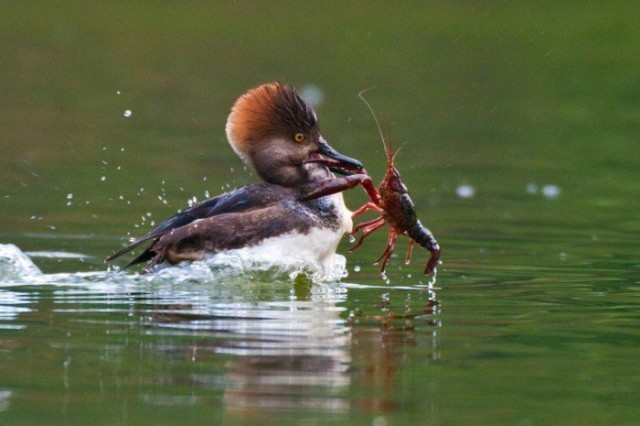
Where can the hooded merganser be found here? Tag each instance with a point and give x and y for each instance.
(298, 210)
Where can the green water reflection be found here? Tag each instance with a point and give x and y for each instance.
(532, 107)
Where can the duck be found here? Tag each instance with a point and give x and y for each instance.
(297, 209)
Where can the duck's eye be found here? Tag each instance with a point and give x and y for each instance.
(299, 137)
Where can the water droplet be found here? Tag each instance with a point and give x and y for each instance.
(127, 113)
(465, 191)
(312, 94)
(356, 268)
(69, 196)
(103, 178)
(551, 191)
(118, 92)
(352, 239)
(532, 188)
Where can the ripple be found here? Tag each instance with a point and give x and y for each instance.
(57, 255)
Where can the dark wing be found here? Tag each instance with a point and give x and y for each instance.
(244, 198)
(226, 231)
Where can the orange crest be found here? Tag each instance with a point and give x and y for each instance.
(272, 109)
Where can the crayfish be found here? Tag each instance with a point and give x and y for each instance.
(397, 209)
(392, 200)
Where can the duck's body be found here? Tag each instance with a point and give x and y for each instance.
(276, 133)
(264, 217)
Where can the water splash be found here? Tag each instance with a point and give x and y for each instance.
(14, 264)
(17, 268)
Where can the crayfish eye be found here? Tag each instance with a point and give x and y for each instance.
(299, 137)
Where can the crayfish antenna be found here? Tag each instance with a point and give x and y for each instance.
(387, 141)
(387, 149)
(388, 144)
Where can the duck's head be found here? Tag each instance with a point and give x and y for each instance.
(276, 132)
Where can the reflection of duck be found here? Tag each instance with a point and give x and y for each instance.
(302, 355)
(278, 355)
(276, 133)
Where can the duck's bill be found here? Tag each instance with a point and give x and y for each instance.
(335, 161)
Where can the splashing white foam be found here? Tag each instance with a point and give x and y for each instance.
(249, 262)
(14, 264)
(16, 268)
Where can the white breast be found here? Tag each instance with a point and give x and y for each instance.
(315, 250)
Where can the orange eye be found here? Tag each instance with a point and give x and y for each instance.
(299, 137)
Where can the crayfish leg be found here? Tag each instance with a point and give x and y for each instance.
(407, 258)
(367, 228)
(365, 225)
(391, 243)
(368, 206)
(335, 185)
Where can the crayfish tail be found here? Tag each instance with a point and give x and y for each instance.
(420, 234)
(433, 260)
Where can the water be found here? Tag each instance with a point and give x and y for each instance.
(518, 126)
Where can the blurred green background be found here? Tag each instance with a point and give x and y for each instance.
(493, 94)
